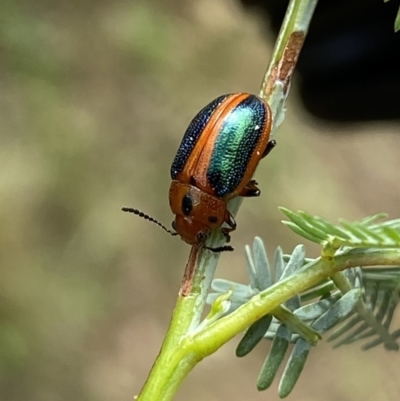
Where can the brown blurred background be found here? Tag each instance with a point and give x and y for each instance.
(94, 100)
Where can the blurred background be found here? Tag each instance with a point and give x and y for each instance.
(94, 100)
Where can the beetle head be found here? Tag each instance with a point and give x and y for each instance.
(197, 212)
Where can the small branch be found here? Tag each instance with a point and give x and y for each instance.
(226, 328)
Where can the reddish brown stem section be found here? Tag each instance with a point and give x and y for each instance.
(284, 68)
(191, 266)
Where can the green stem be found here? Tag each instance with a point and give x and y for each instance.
(174, 361)
(293, 323)
(277, 79)
(181, 351)
(218, 333)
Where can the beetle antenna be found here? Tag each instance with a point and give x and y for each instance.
(225, 248)
(147, 217)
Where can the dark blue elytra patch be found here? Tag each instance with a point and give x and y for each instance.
(238, 137)
(192, 135)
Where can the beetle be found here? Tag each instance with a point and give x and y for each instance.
(215, 163)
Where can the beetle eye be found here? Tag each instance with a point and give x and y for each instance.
(212, 219)
(174, 225)
(187, 204)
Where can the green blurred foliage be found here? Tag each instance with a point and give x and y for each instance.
(94, 99)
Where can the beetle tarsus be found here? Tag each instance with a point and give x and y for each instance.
(250, 190)
(270, 145)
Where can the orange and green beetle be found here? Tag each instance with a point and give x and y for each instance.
(215, 162)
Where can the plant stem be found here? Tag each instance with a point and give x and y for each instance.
(218, 333)
(181, 351)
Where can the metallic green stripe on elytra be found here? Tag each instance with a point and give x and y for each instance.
(239, 135)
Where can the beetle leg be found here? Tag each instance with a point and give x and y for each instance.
(232, 226)
(250, 190)
(270, 145)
